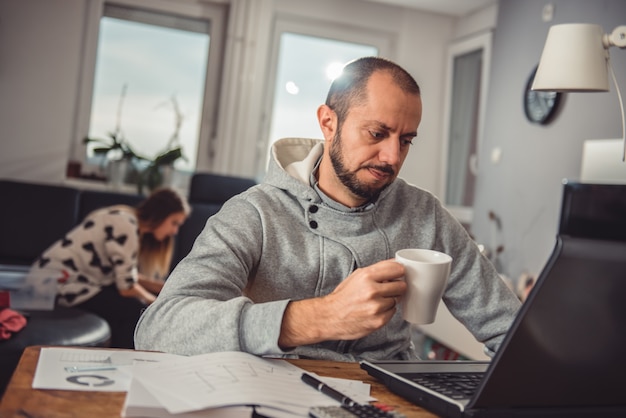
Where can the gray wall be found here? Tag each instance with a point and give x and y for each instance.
(524, 189)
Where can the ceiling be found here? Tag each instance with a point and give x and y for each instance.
(447, 7)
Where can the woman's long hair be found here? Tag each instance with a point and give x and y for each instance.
(155, 256)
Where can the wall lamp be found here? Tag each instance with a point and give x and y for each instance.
(576, 58)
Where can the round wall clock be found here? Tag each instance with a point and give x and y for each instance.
(540, 106)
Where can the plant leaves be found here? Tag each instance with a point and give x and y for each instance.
(168, 157)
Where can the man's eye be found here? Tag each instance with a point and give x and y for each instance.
(407, 142)
(377, 135)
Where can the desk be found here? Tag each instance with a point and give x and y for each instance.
(21, 400)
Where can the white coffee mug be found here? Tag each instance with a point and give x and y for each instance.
(426, 274)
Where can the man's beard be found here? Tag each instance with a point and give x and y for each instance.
(349, 178)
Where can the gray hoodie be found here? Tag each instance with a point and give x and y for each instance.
(279, 241)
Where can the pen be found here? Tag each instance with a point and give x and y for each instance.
(74, 369)
(327, 390)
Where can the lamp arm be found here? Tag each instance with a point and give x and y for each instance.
(621, 106)
(616, 38)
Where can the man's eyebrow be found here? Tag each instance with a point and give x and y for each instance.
(381, 125)
(378, 124)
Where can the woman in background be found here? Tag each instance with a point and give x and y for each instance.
(115, 262)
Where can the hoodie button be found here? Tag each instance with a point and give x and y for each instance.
(313, 224)
(313, 208)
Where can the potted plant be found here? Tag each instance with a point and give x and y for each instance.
(160, 170)
(123, 162)
(117, 154)
(115, 151)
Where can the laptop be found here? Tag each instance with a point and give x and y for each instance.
(565, 353)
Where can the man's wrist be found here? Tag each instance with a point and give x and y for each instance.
(300, 325)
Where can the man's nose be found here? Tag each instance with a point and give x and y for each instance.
(390, 151)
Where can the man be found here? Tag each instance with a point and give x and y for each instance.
(302, 265)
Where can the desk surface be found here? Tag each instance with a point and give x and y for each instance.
(21, 400)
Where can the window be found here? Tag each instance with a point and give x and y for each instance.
(468, 66)
(153, 79)
(306, 55)
(306, 67)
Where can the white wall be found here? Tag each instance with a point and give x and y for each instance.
(476, 22)
(39, 71)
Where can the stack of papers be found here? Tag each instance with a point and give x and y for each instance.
(228, 384)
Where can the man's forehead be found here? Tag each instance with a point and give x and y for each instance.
(387, 110)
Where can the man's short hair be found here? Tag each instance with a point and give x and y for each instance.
(350, 88)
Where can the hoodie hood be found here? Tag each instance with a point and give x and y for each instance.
(296, 157)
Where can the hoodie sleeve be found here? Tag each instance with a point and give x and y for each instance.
(203, 306)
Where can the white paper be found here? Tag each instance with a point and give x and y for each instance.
(141, 403)
(188, 384)
(161, 385)
(97, 370)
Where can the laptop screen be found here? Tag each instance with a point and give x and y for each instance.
(567, 345)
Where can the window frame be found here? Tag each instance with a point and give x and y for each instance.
(215, 13)
(482, 41)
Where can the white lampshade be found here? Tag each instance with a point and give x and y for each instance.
(574, 59)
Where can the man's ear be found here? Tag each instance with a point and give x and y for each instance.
(327, 118)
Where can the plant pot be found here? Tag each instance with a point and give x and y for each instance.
(116, 173)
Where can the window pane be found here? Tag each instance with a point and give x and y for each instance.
(158, 68)
(303, 79)
(463, 137)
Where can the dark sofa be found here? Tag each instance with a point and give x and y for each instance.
(33, 216)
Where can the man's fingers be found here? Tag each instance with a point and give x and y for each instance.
(386, 270)
(394, 303)
(392, 289)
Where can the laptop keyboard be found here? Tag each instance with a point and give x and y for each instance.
(453, 385)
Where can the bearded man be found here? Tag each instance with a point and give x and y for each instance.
(302, 264)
